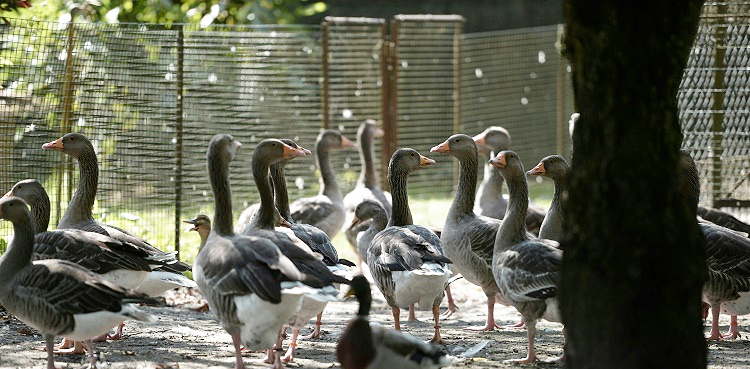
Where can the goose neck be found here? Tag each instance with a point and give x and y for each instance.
(219, 178)
(400, 213)
(281, 195)
(367, 177)
(463, 203)
(328, 185)
(264, 219)
(40, 213)
(513, 228)
(81, 205)
(18, 254)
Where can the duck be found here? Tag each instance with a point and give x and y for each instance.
(469, 238)
(491, 201)
(326, 210)
(363, 345)
(407, 261)
(526, 269)
(113, 260)
(249, 284)
(58, 297)
(367, 187)
(267, 153)
(78, 215)
(727, 287)
(202, 225)
(555, 167)
(318, 242)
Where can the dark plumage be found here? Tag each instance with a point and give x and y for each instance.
(405, 260)
(57, 297)
(526, 269)
(555, 167)
(364, 346)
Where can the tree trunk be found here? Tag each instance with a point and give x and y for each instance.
(634, 263)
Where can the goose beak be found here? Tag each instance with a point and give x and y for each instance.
(194, 222)
(499, 161)
(307, 152)
(291, 152)
(355, 221)
(481, 139)
(54, 145)
(379, 132)
(442, 148)
(538, 170)
(425, 161)
(8, 194)
(345, 142)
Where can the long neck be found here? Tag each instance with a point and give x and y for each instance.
(40, 214)
(264, 219)
(463, 203)
(561, 186)
(328, 185)
(80, 206)
(400, 213)
(18, 254)
(281, 196)
(513, 228)
(219, 178)
(367, 176)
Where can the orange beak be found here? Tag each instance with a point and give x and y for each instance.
(8, 194)
(499, 161)
(291, 152)
(481, 139)
(442, 148)
(379, 132)
(54, 145)
(345, 142)
(355, 221)
(538, 170)
(425, 161)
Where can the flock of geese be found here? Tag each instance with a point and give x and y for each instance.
(277, 268)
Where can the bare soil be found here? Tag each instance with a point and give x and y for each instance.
(186, 338)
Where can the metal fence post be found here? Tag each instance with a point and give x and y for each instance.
(326, 83)
(178, 137)
(390, 103)
(717, 107)
(560, 97)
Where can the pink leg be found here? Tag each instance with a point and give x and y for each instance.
(531, 356)
(92, 355)
(78, 349)
(452, 307)
(277, 363)
(271, 354)
(436, 315)
(715, 334)
(412, 316)
(734, 330)
(292, 347)
(396, 312)
(239, 364)
(316, 331)
(490, 326)
(50, 343)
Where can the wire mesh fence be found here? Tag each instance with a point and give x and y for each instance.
(714, 99)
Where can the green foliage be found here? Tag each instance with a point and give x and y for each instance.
(173, 11)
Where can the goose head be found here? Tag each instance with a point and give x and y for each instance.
(367, 209)
(408, 160)
(553, 166)
(31, 190)
(458, 145)
(73, 144)
(14, 209)
(494, 138)
(509, 164)
(332, 139)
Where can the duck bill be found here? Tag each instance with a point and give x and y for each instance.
(193, 222)
(499, 161)
(481, 140)
(54, 145)
(291, 152)
(345, 142)
(425, 161)
(538, 170)
(442, 148)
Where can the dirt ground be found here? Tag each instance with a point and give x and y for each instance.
(185, 338)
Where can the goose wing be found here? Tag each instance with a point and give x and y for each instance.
(530, 270)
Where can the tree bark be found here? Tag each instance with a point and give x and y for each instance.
(634, 263)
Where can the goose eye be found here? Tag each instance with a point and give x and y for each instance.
(457, 140)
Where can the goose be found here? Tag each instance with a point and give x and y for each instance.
(318, 242)
(374, 215)
(723, 219)
(469, 238)
(267, 153)
(326, 210)
(58, 297)
(202, 225)
(121, 263)
(490, 200)
(407, 261)
(526, 269)
(78, 215)
(365, 346)
(367, 187)
(555, 167)
(249, 284)
(727, 288)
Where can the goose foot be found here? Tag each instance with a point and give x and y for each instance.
(490, 325)
(519, 325)
(316, 331)
(77, 349)
(412, 315)
(734, 331)
(436, 338)
(289, 356)
(452, 307)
